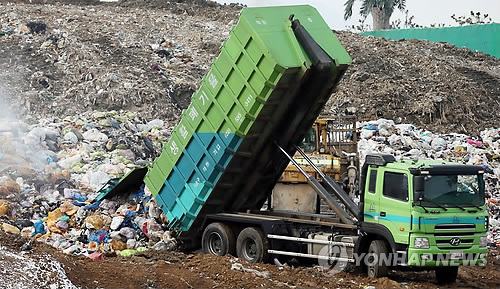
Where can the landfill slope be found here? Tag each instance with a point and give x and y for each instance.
(67, 59)
(150, 56)
(432, 85)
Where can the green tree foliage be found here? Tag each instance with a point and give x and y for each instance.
(408, 22)
(474, 18)
(381, 11)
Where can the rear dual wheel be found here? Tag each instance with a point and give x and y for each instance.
(252, 245)
(218, 239)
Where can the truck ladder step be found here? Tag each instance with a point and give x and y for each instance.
(303, 255)
(305, 240)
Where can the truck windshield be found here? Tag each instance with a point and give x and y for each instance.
(453, 190)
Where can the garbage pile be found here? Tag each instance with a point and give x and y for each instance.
(59, 60)
(142, 64)
(51, 173)
(436, 86)
(406, 141)
(149, 56)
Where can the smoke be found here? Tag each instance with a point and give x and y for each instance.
(4, 109)
(22, 148)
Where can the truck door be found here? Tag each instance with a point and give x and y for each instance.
(395, 207)
(372, 197)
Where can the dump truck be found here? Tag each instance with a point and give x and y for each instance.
(254, 107)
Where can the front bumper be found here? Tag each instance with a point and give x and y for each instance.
(434, 257)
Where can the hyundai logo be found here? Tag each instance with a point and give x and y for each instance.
(455, 241)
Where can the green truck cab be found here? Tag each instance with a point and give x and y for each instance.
(431, 213)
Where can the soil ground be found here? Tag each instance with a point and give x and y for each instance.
(195, 270)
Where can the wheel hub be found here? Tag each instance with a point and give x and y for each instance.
(250, 249)
(215, 243)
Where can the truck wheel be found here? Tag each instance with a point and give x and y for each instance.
(375, 267)
(446, 274)
(218, 239)
(252, 245)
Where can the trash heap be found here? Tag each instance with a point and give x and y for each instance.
(60, 60)
(149, 56)
(406, 141)
(51, 173)
(88, 57)
(436, 86)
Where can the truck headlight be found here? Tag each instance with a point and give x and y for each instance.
(483, 242)
(421, 243)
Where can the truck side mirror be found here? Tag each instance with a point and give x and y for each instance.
(418, 187)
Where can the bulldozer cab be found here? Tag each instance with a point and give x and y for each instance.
(331, 136)
(310, 142)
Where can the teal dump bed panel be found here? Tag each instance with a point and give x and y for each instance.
(240, 106)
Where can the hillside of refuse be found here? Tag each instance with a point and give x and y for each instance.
(433, 85)
(149, 57)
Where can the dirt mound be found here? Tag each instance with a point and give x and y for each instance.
(433, 85)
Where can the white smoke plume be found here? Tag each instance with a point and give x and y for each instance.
(22, 148)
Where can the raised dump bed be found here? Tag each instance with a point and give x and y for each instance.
(267, 86)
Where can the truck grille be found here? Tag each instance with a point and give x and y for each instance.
(445, 233)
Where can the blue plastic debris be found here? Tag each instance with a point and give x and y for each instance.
(79, 198)
(51, 159)
(79, 204)
(93, 206)
(115, 124)
(370, 127)
(39, 228)
(99, 236)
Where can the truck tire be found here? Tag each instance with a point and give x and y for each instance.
(376, 268)
(252, 245)
(218, 239)
(446, 274)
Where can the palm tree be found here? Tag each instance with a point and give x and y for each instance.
(381, 11)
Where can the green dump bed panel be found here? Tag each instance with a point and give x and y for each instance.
(260, 90)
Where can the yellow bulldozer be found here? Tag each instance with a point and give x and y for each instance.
(332, 146)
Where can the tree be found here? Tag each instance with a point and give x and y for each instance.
(381, 11)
